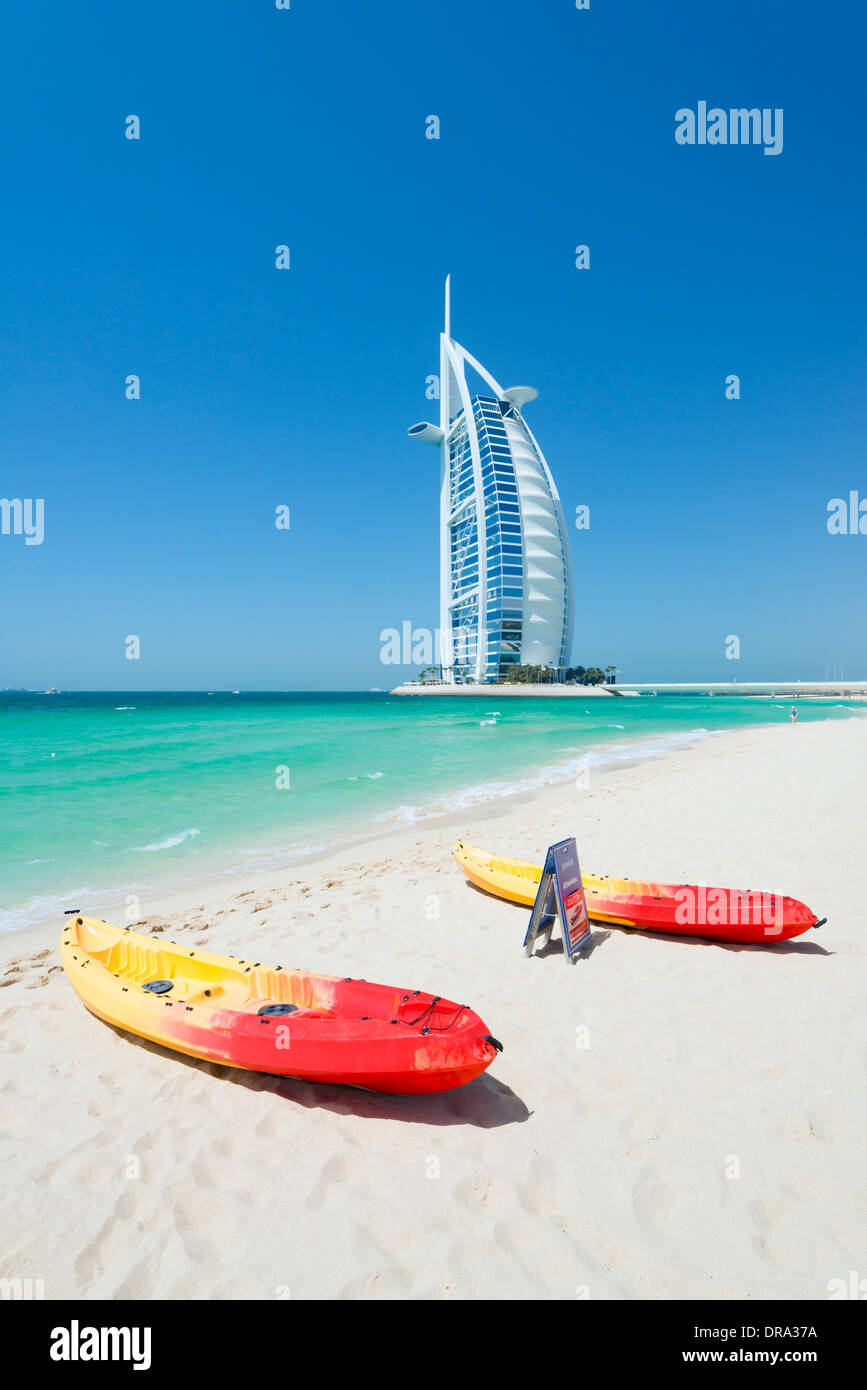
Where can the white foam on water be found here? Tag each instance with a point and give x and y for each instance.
(257, 860)
(168, 843)
(44, 908)
(552, 775)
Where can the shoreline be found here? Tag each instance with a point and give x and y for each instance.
(507, 690)
(758, 690)
(484, 797)
(169, 897)
(215, 863)
(670, 1118)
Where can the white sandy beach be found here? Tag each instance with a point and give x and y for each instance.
(706, 1144)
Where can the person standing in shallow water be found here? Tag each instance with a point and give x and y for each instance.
(793, 715)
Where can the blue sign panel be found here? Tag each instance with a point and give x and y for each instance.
(560, 896)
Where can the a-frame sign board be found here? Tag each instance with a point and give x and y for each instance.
(560, 898)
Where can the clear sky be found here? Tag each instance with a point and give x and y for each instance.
(262, 387)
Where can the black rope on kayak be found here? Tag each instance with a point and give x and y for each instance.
(426, 1016)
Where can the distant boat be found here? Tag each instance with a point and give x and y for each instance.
(51, 691)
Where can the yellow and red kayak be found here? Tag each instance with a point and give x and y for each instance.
(721, 914)
(259, 1017)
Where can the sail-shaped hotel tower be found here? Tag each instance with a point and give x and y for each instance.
(505, 564)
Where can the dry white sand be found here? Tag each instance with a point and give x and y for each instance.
(706, 1143)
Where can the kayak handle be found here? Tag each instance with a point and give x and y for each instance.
(821, 922)
(498, 1046)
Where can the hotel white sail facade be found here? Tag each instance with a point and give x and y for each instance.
(505, 563)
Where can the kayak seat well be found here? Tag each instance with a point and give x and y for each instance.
(224, 983)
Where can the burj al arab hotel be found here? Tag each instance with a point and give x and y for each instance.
(505, 564)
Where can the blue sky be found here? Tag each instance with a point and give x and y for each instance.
(263, 387)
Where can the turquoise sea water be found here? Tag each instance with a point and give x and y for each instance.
(107, 792)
